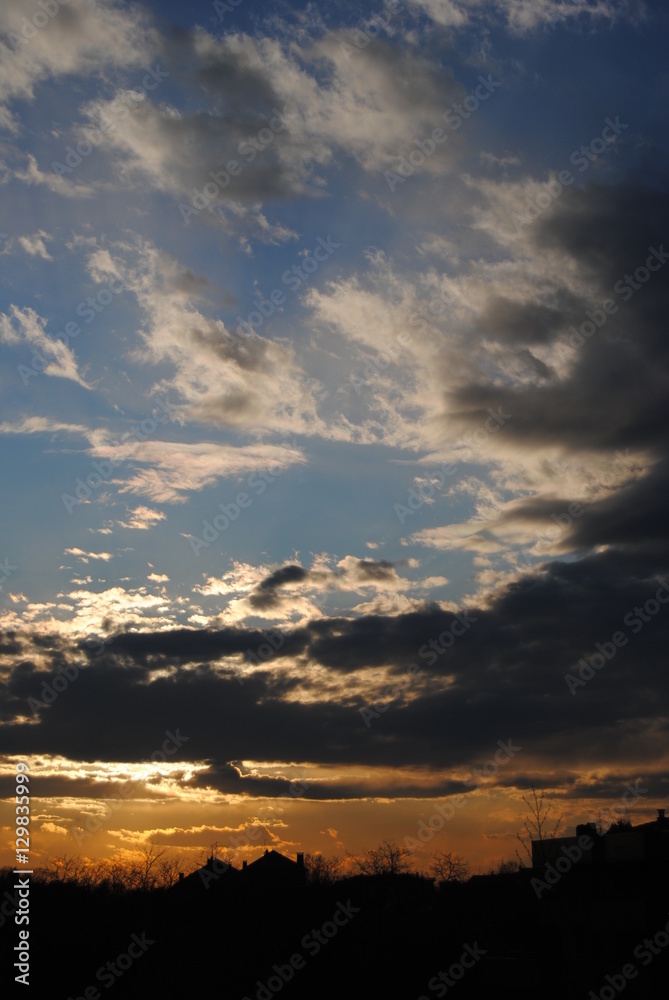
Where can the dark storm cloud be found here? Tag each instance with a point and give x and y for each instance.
(66, 785)
(287, 574)
(615, 396)
(526, 322)
(614, 785)
(608, 228)
(9, 643)
(375, 569)
(507, 673)
(191, 645)
(230, 779)
(634, 517)
(266, 595)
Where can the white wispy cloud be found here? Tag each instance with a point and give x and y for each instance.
(40, 425)
(35, 244)
(87, 556)
(142, 518)
(50, 357)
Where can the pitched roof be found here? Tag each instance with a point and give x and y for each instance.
(272, 861)
(210, 872)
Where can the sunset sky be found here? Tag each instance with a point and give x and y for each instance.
(334, 427)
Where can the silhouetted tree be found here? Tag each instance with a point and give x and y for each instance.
(144, 872)
(505, 867)
(449, 867)
(386, 859)
(536, 825)
(322, 870)
(150, 868)
(68, 868)
(114, 874)
(620, 826)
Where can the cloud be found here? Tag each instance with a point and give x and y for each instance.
(279, 114)
(31, 174)
(84, 36)
(53, 828)
(142, 518)
(35, 245)
(522, 17)
(579, 408)
(287, 574)
(25, 326)
(87, 556)
(222, 376)
(292, 589)
(478, 672)
(85, 613)
(174, 469)
(40, 425)
(579, 391)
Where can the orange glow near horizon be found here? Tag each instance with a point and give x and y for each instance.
(143, 803)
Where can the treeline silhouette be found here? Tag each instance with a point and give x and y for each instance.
(152, 867)
(339, 927)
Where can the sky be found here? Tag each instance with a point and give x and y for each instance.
(334, 422)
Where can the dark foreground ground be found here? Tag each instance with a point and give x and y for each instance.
(596, 933)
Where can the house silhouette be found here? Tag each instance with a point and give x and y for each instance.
(271, 873)
(274, 870)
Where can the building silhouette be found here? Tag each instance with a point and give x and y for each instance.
(646, 843)
(272, 873)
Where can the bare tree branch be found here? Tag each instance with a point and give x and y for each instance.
(449, 867)
(536, 826)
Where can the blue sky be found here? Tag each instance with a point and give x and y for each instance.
(421, 204)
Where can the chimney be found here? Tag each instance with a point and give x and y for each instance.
(181, 876)
(244, 863)
(660, 815)
(300, 860)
